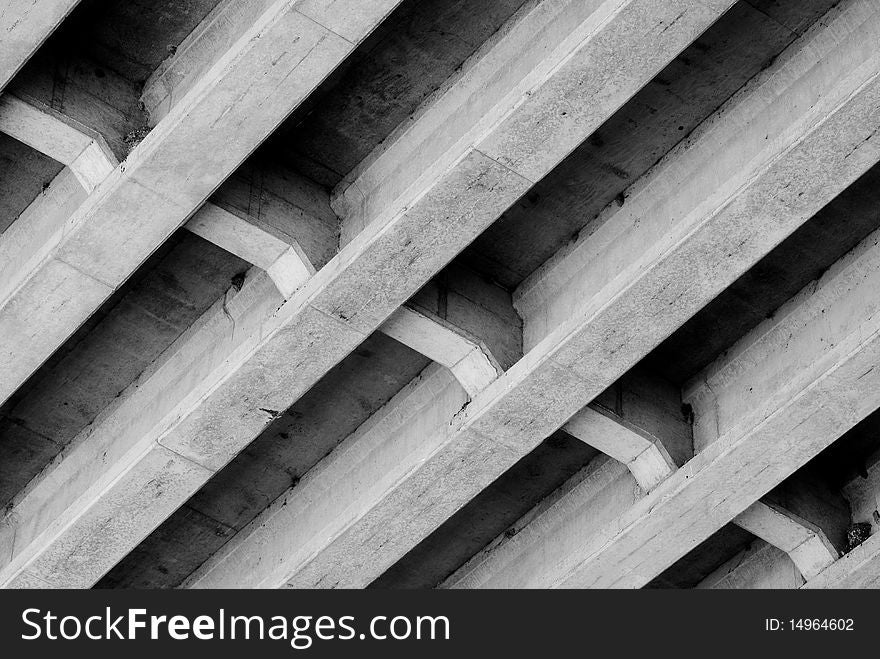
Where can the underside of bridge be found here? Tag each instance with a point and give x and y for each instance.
(439, 293)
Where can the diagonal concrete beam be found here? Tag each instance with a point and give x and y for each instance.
(779, 163)
(692, 246)
(645, 455)
(575, 62)
(759, 566)
(469, 359)
(286, 263)
(277, 548)
(805, 543)
(592, 57)
(121, 476)
(25, 25)
(267, 62)
(280, 546)
(90, 159)
(782, 394)
(859, 567)
(640, 422)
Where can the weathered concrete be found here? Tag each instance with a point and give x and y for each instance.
(469, 359)
(515, 412)
(338, 307)
(174, 382)
(805, 543)
(171, 172)
(406, 59)
(285, 263)
(82, 514)
(280, 457)
(25, 173)
(645, 455)
(760, 566)
(104, 356)
(584, 506)
(781, 395)
(60, 77)
(282, 545)
(25, 25)
(805, 523)
(232, 438)
(752, 132)
(585, 71)
(565, 202)
(858, 569)
(414, 412)
(855, 569)
(497, 510)
(640, 423)
(59, 137)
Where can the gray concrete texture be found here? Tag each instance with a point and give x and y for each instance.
(233, 334)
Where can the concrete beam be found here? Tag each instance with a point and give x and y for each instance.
(125, 473)
(805, 543)
(571, 71)
(760, 566)
(860, 568)
(469, 359)
(61, 138)
(281, 546)
(285, 263)
(638, 422)
(61, 546)
(570, 517)
(247, 85)
(466, 356)
(646, 457)
(747, 161)
(797, 156)
(776, 399)
(25, 25)
(793, 553)
(26, 242)
(590, 57)
(91, 160)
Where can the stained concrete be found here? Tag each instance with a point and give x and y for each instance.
(361, 317)
(408, 57)
(774, 279)
(814, 492)
(799, 259)
(566, 201)
(107, 354)
(24, 173)
(132, 38)
(352, 120)
(286, 450)
(703, 559)
(493, 512)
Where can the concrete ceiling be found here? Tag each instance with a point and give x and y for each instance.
(379, 87)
